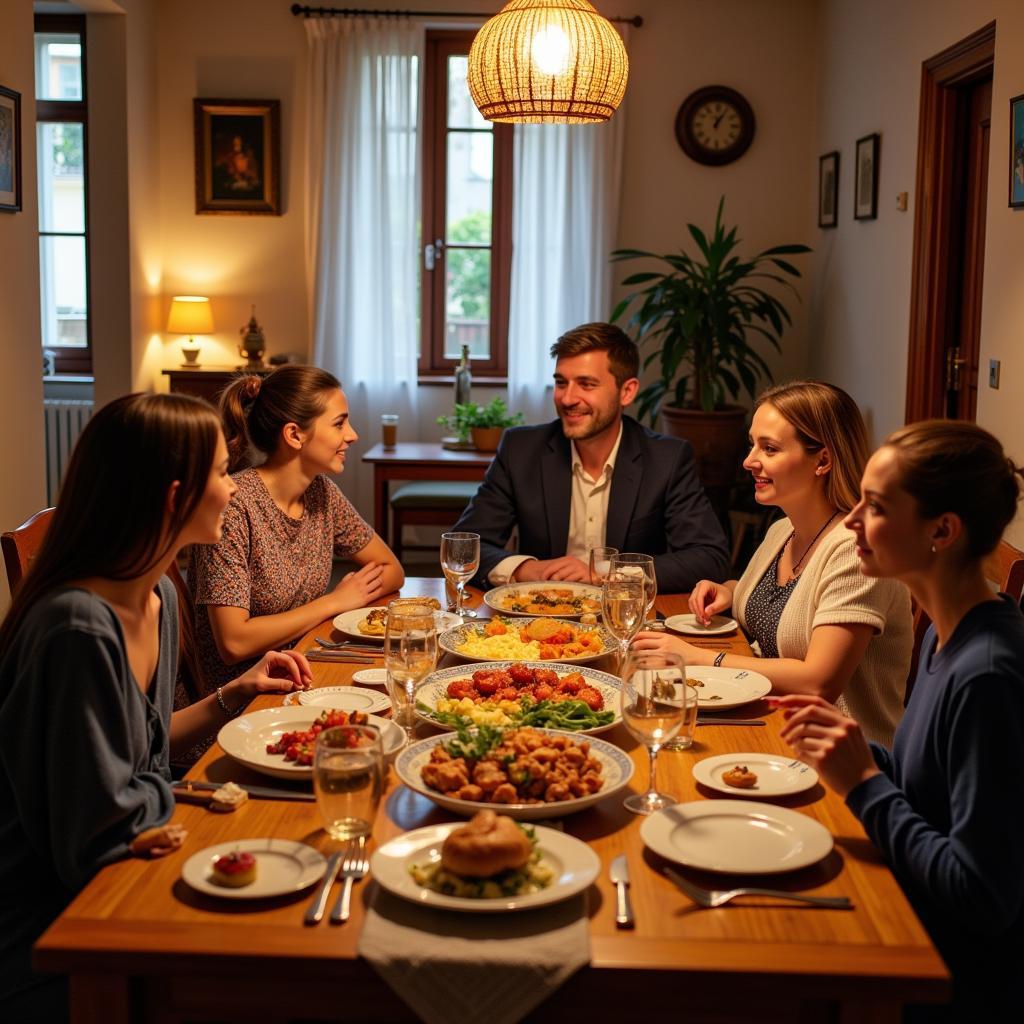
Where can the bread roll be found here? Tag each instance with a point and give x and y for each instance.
(488, 844)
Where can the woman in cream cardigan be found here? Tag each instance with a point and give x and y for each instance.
(822, 627)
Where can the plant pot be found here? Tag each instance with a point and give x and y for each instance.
(486, 439)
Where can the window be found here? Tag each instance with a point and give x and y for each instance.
(467, 219)
(61, 138)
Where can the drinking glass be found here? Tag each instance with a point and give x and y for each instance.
(652, 702)
(633, 562)
(348, 776)
(623, 600)
(460, 559)
(410, 654)
(600, 563)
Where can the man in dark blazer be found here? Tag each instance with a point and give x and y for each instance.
(594, 478)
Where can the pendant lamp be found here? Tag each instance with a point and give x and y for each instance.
(547, 61)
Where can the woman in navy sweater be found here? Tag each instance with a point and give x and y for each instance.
(944, 805)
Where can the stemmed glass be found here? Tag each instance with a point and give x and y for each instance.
(348, 776)
(623, 600)
(633, 562)
(653, 704)
(410, 654)
(600, 564)
(460, 559)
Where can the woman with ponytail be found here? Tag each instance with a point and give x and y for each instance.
(944, 805)
(266, 582)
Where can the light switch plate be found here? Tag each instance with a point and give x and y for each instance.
(993, 373)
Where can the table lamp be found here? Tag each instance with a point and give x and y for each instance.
(191, 315)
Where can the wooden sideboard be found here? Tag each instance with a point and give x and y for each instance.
(206, 381)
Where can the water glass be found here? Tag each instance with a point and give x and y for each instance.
(600, 563)
(623, 600)
(460, 559)
(636, 563)
(410, 654)
(348, 777)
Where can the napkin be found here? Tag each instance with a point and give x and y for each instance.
(474, 968)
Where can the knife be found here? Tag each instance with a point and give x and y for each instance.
(619, 874)
(316, 909)
(709, 720)
(259, 792)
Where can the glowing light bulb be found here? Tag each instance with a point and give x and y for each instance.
(550, 50)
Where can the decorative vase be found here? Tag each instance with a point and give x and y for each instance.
(253, 343)
(486, 439)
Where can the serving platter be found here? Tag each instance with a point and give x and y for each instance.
(722, 688)
(348, 623)
(500, 597)
(282, 867)
(451, 640)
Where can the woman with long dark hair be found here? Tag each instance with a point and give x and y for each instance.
(88, 658)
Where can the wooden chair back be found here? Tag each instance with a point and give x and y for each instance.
(21, 544)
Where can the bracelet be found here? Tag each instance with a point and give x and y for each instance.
(227, 713)
(719, 657)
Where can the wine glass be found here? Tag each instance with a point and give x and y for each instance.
(460, 559)
(634, 562)
(410, 654)
(623, 600)
(600, 563)
(348, 776)
(652, 702)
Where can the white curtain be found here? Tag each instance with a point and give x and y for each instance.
(363, 188)
(567, 180)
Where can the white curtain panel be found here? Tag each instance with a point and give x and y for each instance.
(566, 189)
(363, 189)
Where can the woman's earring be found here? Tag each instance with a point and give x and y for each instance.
(934, 549)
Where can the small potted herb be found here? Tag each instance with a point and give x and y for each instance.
(483, 423)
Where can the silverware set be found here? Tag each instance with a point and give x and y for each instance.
(351, 865)
(716, 897)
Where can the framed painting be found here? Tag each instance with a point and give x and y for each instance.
(238, 156)
(10, 150)
(865, 191)
(1017, 151)
(828, 190)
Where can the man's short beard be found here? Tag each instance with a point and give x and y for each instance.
(595, 427)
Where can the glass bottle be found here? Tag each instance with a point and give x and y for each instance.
(463, 378)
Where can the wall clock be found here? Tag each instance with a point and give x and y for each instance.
(715, 125)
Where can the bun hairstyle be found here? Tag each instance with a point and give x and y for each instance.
(825, 416)
(256, 409)
(953, 466)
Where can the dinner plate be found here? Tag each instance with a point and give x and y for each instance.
(246, 738)
(736, 837)
(348, 623)
(282, 866)
(497, 597)
(575, 866)
(616, 770)
(722, 688)
(776, 775)
(452, 639)
(435, 687)
(689, 625)
(371, 677)
(344, 698)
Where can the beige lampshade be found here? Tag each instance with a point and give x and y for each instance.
(190, 314)
(548, 61)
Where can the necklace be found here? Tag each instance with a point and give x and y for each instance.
(800, 560)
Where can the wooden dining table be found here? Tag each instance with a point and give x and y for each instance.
(140, 945)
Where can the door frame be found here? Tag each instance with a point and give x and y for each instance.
(961, 64)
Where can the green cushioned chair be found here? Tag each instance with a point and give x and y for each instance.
(427, 503)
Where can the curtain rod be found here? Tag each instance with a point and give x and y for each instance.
(303, 11)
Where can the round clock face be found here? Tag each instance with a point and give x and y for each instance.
(715, 125)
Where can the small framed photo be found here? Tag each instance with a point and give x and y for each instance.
(1017, 151)
(865, 191)
(238, 156)
(10, 150)
(828, 190)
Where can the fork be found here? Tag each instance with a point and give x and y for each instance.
(716, 897)
(332, 645)
(353, 869)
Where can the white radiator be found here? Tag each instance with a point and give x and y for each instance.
(64, 421)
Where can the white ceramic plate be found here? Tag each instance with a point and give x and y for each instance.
(435, 686)
(616, 770)
(371, 677)
(495, 598)
(689, 625)
(575, 866)
(344, 698)
(452, 638)
(725, 688)
(348, 623)
(776, 776)
(282, 866)
(246, 738)
(736, 837)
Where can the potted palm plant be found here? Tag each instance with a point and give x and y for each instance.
(700, 314)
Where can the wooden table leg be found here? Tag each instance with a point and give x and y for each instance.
(100, 999)
(380, 503)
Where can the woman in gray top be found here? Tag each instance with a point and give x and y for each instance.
(88, 657)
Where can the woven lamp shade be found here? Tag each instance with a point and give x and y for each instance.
(547, 61)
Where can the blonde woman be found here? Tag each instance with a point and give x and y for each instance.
(822, 627)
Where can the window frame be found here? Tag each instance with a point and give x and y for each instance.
(434, 366)
(70, 359)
